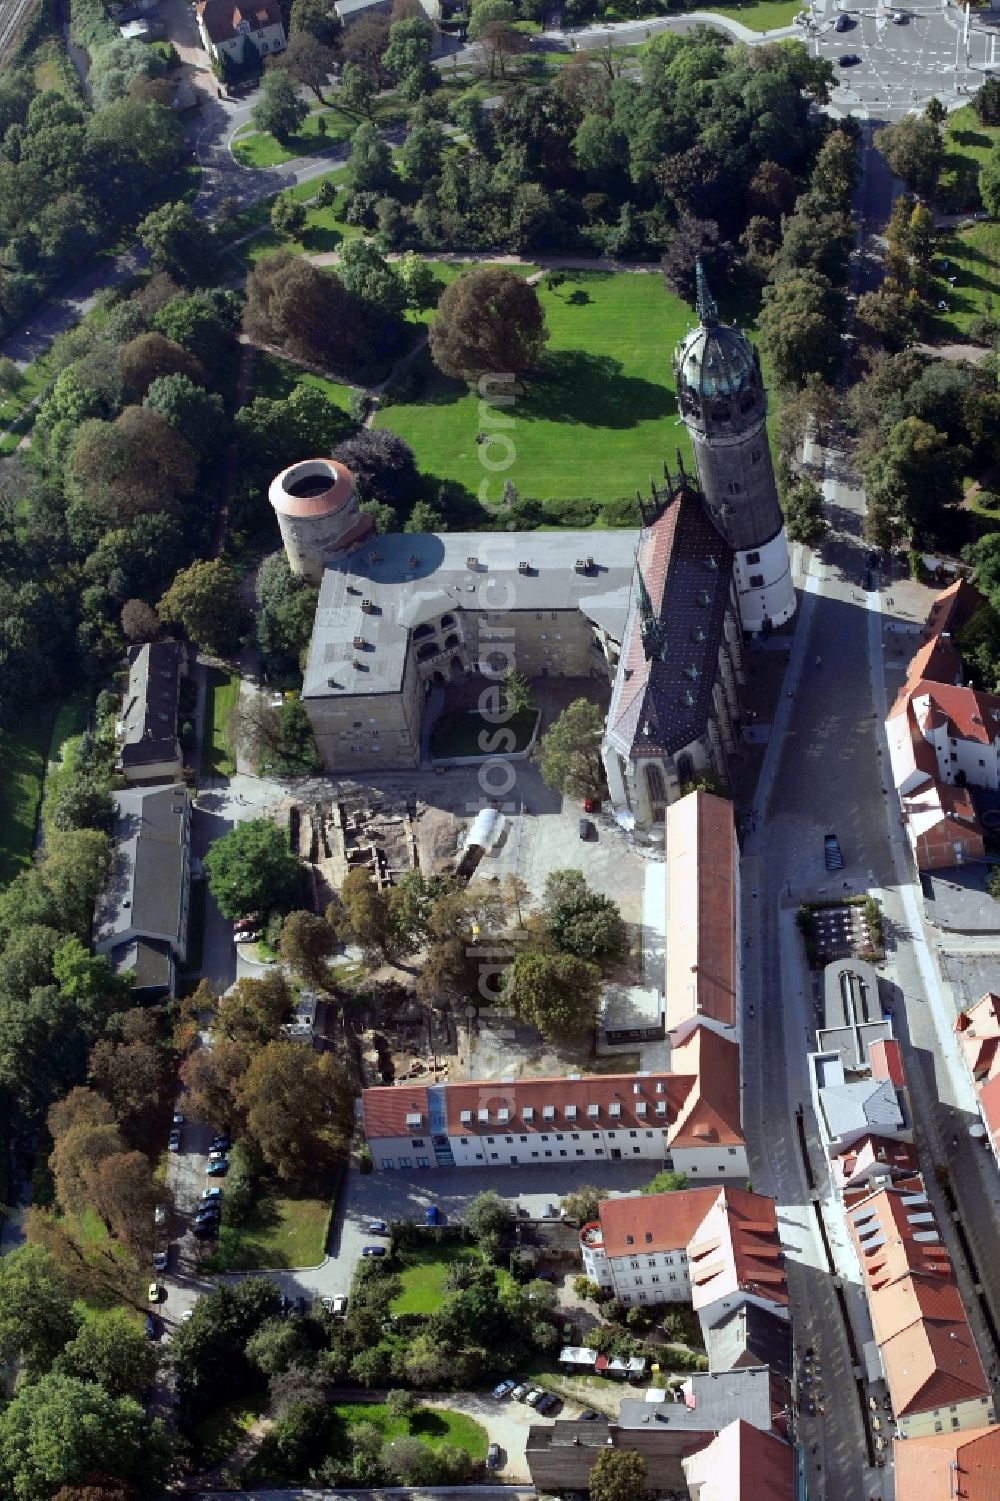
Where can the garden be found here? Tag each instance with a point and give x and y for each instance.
(279, 1231)
(466, 732)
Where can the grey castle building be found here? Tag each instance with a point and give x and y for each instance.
(657, 613)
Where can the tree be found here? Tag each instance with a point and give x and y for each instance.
(422, 153)
(133, 1076)
(179, 242)
(252, 868)
(58, 1430)
(488, 1218)
(580, 921)
(557, 993)
(516, 693)
(213, 1079)
(288, 215)
(411, 42)
(358, 92)
(665, 1182)
(989, 181)
(383, 465)
(885, 316)
(370, 159)
(618, 1475)
(986, 102)
(204, 600)
(307, 944)
(492, 26)
(315, 18)
(299, 1109)
(803, 510)
(113, 1352)
(37, 1317)
(367, 275)
(582, 1204)
(488, 321)
(692, 241)
(301, 308)
(277, 1344)
(252, 1011)
(309, 61)
(914, 151)
(280, 110)
(369, 914)
(116, 471)
(140, 622)
(935, 111)
(199, 415)
(836, 170)
(907, 481)
(150, 356)
(126, 1196)
(800, 326)
(569, 753)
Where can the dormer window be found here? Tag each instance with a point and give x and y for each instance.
(570, 1112)
(413, 1118)
(465, 1117)
(528, 1113)
(630, 1240)
(614, 1108)
(593, 1111)
(661, 1107)
(483, 1115)
(548, 1112)
(503, 1115)
(640, 1108)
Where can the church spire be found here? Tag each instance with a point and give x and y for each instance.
(704, 301)
(649, 621)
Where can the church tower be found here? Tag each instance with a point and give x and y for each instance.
(724, 406)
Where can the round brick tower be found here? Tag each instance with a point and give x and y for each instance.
(318, 514)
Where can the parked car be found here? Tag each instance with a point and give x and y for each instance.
(534, 1396)
(378, 1227)
(187, 1315)
(208, 1213)
(549, 1403)
(160, 1260)
(588, 1415)
(833, 859)
(155, 1292)
(208, 1194)
(160, 1214)
(503, 1389)
(174, 1140)
(843, 23)
(178, 1118)
(432, 1215)
(592, 805)
(373, 1250)
(493, 1457)
(217, 1154)
(338, 1305)
(205, 1229)
(519, 1393)
(585, 827)
(217, 1169)
(151, 1326)
(244, 924)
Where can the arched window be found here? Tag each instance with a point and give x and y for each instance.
(655, 785)
(425, 652)
(451, 641)
(446, 621)
(422, 631)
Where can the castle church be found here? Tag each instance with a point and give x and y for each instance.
(659, 614)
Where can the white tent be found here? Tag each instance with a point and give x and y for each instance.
(485, 829)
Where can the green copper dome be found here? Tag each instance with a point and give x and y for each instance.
(715, 360)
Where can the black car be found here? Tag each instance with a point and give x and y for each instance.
(549, 1403)
(848, 60)
(588, 1415)
(205, 1229)
(152, 1326)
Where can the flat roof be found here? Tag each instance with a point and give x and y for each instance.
(716, 1399)
(413, 578)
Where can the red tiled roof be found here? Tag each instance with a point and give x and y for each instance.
(742, 1463)
(737, 1247)
(887, 1061)
(386, 1107)
(933, 1364)
(952, 609)
(941, 1465)
(937, 660)
(222, 17)
(969, 713)
(701, 921)
(653, 1222)
(592, 1102)
(989, 1104)
(711, 1111)
(979, 1034)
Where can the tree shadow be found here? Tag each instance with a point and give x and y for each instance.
(577, 387)
(321, 238)
(427, 1424)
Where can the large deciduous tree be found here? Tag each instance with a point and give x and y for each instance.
(618, 1475)
(179, 242)
(252, 868)
(488, 322)
(37, 1317)
(113, 1351)
(492, 26)
(800, 326)
(569, 752)
(557, 993)
(914, 150)
(204, 600)
(299, 1109)
(279, 110)
(309, 61)
(580, 921)
(302, 309)
(308, 943)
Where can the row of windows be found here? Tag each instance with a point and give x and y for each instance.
(672, 1277)
(559, 1136)
(405, 1162)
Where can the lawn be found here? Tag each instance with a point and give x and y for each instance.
(278, 378)
(973, 257)
(324, 228)
(434, 1426)
(257, 148)
(465, 733)
(280, 1232)
(967, 144)
(760, 15)
(23, 756)
(422, 1278)
(221, 690)
(596, 422)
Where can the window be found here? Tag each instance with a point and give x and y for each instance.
(579, 1151)
(733, 487)
(423, 1162)
(574, 1136)
(651, 1261)
(563, 1152)
(672, 1277)
(509, 1140)
(464, 1140)
(490, 1140)
(522, 1138)
(648, 1238)
(638, 1281)
(654, 1279)
(938, 1427)
(635, 1266)
(755, 455)
(756, 581)
(548, 1154)
(954, 1422)
(633, 1133)
(649, 1133)
(406, 1162)
(417, 1143)
(387, 1162)
(732, 1151)
(494, 1156)
(753, 557)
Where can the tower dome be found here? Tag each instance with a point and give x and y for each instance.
(317, 510)
(716, 360)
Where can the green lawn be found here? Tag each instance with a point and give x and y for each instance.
(422, 1278)
(278, 378)
(596, 422)
(432, 1425)
(281, 1232)
(221, 690)
(760, 15)
(324, 228)
(967, 144)
(23, 755)
(465, 733)
(973, 255)
(256, 148)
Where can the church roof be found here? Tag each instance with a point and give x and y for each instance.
(661, 702)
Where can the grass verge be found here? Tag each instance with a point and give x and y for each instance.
(280, 1232)
(277, 379)
(422, 1277)
(23, 756)
(221, 690)
(967, 144)
(973, 260)
(433, 1426)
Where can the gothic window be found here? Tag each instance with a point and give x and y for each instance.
(656, 786)
(423, 630)
(733, 487)
(755, 456)
(685, 768)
